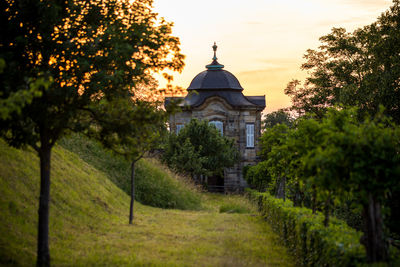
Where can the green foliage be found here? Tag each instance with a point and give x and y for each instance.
(155, 186)
(362, 158)
(338, 154)
(199, 149)
(257, 176)
(337, 161)
(354, 69)
(183, 157)
(78, 57)
(308, 240)
(278, 161)
(272, 138)
(277, 117)
(349, 211)
(139, 128)
(15, 101)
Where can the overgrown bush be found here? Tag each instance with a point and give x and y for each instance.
(200, 150)
(310, 242)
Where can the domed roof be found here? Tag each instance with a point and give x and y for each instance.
(216, 82)
(215, 78)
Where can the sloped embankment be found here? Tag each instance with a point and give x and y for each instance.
(82, 199)
(155, 185)
(89, 222)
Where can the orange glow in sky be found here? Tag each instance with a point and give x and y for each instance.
(262, 42)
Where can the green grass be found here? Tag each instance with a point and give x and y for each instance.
(155, 185)
(89, 222)
(233, 208)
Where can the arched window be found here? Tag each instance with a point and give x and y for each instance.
(219, 125)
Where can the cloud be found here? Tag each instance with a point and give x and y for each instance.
(366, 3)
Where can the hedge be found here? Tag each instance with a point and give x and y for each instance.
(308, 240)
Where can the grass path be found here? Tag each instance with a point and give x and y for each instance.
(185, 238)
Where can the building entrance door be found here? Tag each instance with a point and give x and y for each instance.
(216, 183)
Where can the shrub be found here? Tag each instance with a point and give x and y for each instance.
(310, 242)
(200, 150)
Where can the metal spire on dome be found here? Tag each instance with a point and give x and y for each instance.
(214, 64)
(215, 51)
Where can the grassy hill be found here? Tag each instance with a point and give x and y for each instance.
(89, 221)
(155, 185)
(83, 199)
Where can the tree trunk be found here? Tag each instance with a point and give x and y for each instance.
(314, 199)
(132, 191)
(373, 239)
(284, 187)
(297, 200)
(327, 210)
(280, 192)
(43, 253)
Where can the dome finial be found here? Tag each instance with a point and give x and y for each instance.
(214, 64)
(215, 51)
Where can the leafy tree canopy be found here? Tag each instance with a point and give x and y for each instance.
(86, 51)
(277, 117)
(360, 69)
(200, 149)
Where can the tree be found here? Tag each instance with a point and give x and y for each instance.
(307, 140)
(363, 159)
(86, 53)
(275, 173)
(257, 176)
(138, 129)
(354, 69)
(200, 149)
(277, 117)
(337, 158)
(274, 152)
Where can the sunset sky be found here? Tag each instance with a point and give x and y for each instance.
(262, 42)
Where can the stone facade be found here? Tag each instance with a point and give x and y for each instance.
(219, 98)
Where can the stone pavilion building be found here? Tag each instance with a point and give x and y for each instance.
(216, 95)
